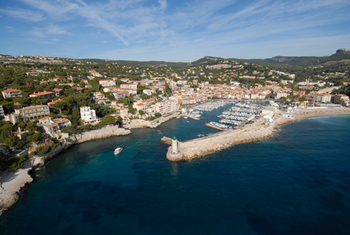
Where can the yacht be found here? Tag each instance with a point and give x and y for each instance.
(118, 150)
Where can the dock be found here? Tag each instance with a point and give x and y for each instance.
(213, 126)
(192, 117)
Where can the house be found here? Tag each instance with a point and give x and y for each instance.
(62, 122)
(106, 83)
(10, 93)
(132, 86)
(58, 91)
(121, 94)
(88, 115)
(21, 134)
(45, 121)
(44, 94)
(80, 89)
(148, 91)
(17, 105)
(55, 101)
(99, 98)
(111, 89)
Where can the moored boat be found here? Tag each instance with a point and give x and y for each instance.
(118, 150)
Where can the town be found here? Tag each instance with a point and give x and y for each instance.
(48, 101)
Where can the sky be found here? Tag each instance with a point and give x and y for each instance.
(173, 30)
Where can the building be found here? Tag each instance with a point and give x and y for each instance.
(99, 98)
(88, 115)
(62, 122)
(44, 94)
(58, 91)
(10, 93)
(129, 86)
(111, 89)
(174, 152)
(148, 91)
(341, 99)
(106, 83)
(32, 113)
(2, 114)
(53, 127)
(323, 98)
(121, 94)
(167, 106)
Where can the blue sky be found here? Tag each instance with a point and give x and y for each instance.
(173, 30)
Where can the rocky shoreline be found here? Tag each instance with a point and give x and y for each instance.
(12, 182)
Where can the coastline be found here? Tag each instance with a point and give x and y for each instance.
(252, 132)
(12, 182)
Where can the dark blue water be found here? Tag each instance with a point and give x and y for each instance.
(297, 182)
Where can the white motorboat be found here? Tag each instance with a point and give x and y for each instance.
(118, 150)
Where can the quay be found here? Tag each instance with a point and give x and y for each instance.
(192, 117)
(213, 126)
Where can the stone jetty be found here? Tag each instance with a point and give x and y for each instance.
(251, 132)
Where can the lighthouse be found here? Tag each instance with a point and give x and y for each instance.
(174, 146)
(174, 151)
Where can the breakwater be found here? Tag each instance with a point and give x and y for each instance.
(261, 129)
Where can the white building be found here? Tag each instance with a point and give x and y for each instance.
(129, 86)
(167, 106)
(148, 91)
(88, 115)
(106, 83)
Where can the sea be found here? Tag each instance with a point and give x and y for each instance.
(297, 182)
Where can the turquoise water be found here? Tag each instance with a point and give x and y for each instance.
(294, 183)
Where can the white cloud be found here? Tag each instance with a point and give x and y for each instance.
(51, 30)
(163, 4)
(198, 25)
(23, 14)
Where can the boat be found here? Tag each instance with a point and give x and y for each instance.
(200, 135)
(185, 117)
(118, 150)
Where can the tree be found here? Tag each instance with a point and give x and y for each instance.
(141, 112)
(119, 121)
(5, 151)
(75, 117)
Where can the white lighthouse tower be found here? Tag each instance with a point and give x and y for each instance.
(174, 146)
(174, 151)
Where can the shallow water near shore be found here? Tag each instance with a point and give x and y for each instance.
(294, 183)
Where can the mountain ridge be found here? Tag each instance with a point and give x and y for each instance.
(276, 61)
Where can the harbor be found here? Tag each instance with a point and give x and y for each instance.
(258, 128)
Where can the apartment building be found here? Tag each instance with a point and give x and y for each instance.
(32, 113)
(10, 93)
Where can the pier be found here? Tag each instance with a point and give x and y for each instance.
(213, 126)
